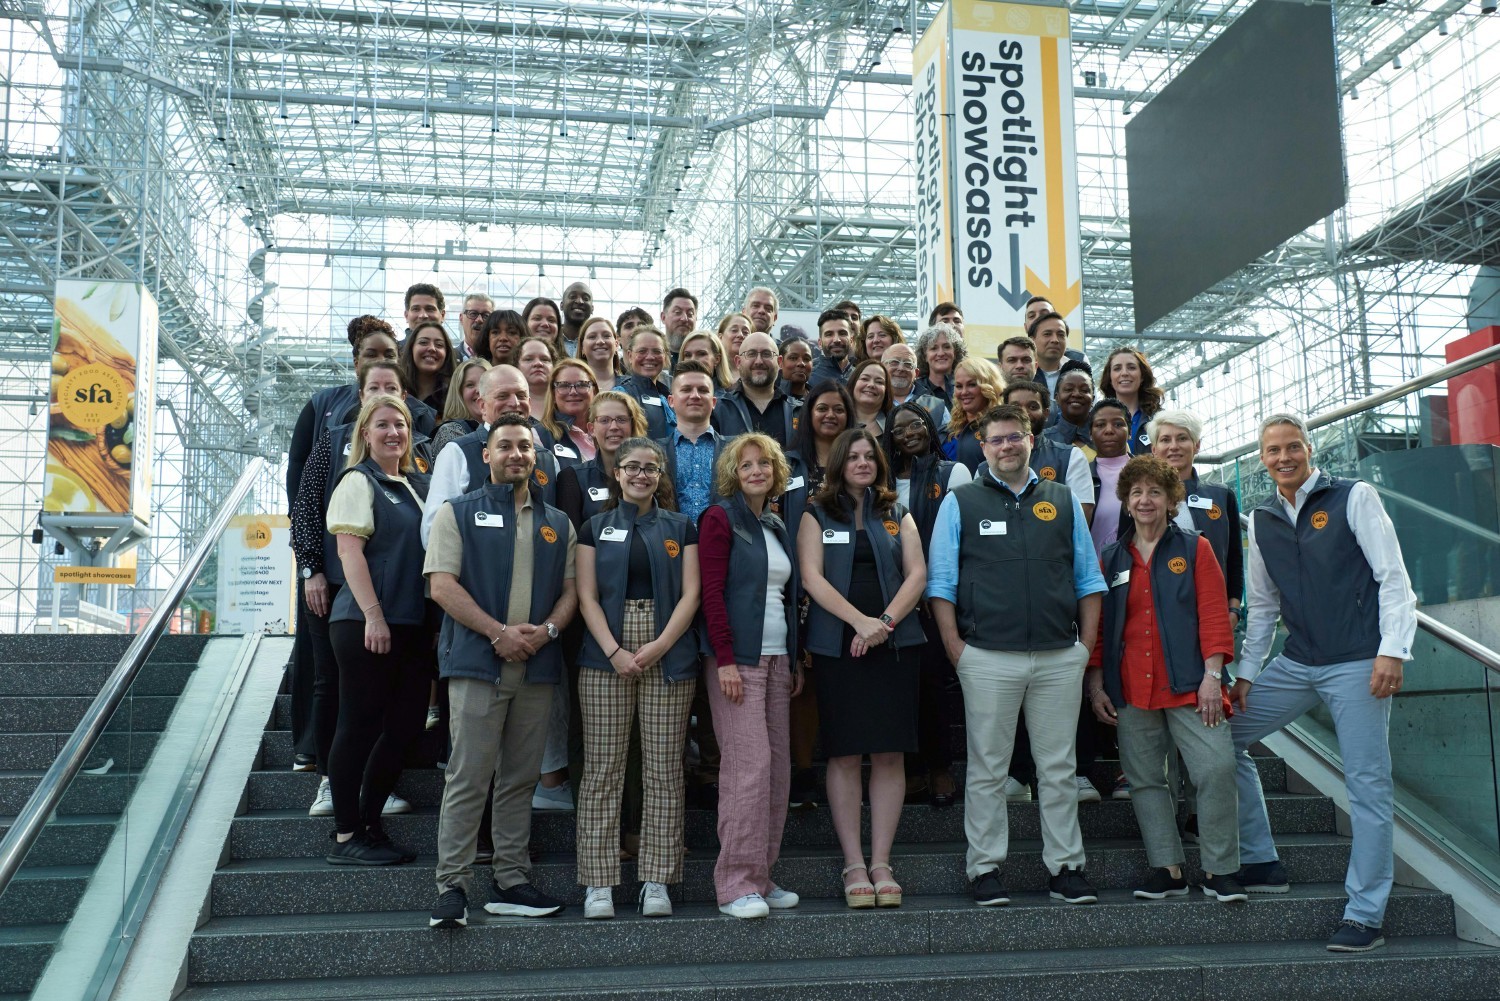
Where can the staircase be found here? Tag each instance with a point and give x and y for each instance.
(281, 923)
(46, 685)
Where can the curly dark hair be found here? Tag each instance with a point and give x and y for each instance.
(1149, 469)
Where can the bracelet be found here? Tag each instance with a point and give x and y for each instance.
(617, 650)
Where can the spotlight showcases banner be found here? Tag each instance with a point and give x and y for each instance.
(997, 177)
(103, 370)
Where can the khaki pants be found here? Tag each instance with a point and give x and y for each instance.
(496, 730)
(996, 684)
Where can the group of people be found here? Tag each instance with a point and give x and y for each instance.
(564, 542)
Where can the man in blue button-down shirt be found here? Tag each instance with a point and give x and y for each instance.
(1016, 591)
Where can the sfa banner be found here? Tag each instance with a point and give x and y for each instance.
(99, 425)
(997, 178)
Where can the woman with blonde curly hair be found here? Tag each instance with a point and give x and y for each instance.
(976, 388)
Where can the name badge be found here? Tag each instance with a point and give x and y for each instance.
(651, 401)
(598, 493)
(1200, 503)
(1123, 577)
(830, 537)
(614, 535)
(348, 447)
(795, 483)
(563, 451)
(992, 527)
(483, 519)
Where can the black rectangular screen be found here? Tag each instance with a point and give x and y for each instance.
(1241, 152)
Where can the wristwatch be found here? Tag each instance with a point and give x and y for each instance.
(887, 619)
(551, 630)
(307, 573)
(1216, 675)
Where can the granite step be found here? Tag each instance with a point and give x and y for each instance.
(68, 839)
(157, 677)
(401, 943)
(24, 952)
(54, 713)
(311, 886)
(43, 894)
(85, 794)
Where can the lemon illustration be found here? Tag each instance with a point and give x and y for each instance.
(64, 492)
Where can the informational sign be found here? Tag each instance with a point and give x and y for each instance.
(997, 178)
(103, 372)
(256, 587)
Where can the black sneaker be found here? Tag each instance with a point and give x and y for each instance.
(452, 910)
(989, 891)
(359, 850)
(1225, 889)
(521, 901)
(1161, 885)
(1352, 936)
(304, 763)
(1263, 877)
(1071, 886)
(377, 836)
(804, 791)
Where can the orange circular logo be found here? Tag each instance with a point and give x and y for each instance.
(92, 395)
(1047, 473)
(421, 463)
(1044, 511)
(1320, 519)
(892, 527)
(257, 535)
(935, 491)
(541, 481)
(548, 535)
(673, 548)
(1177, 565)
(1215, 513)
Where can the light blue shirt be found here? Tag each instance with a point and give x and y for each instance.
(942, 556)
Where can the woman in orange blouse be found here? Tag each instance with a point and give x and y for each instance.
(1157, 674)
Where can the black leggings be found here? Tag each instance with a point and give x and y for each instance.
(325, 686)
(939, 703)
(382, 709)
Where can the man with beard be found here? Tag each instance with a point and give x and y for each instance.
(836, 342)
(679, 317)
(577, 307)
(755, 404)
(900, 363)
(477, 308)
(761, 307)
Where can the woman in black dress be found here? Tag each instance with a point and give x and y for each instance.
(863, 571)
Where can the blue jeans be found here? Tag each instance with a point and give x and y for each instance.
(1282, 693)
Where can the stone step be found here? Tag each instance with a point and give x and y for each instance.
(37, 751)
(86, 794)
(312, 886)
(51, 713)
(67, 678)
(43, 894)
(24, 952)
(1429, 966)
(292, 833)
(68, 840)
(396, 943)
(47, 650)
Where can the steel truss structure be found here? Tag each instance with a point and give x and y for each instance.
(270, 168)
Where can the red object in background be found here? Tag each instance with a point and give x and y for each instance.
(1474, 397)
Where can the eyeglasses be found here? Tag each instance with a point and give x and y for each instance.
(763, 355)
(900, 364)
(475, 314)
(612, 421)
(1014, 438)
(636, 469)
(572, 387)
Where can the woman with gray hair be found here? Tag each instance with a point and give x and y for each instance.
(939, 350)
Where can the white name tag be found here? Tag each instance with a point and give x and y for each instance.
(563, 451)
(992, 528)
(485, 520)
(1123, 577)
(651, 401)
(614, 535)
(348, 447)
(1200, 503)
(795, 483)
(830, 537)
(598, 493)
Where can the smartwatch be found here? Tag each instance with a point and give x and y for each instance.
(889, 622)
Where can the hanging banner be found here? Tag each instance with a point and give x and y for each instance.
(256, 587)
(103, 374)
(1003, 117)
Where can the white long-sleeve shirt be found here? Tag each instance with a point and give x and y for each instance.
(1376, 536)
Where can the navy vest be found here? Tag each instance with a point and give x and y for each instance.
(1174, 597)
(486, 521)
(967, 448)
(1015, 571)
(340, 444)
(659, 416)
(791, 504)
(1050, 460)
(825, 631)
(393, 551)
(665, 535)
(1330, 600)
(1220, 525)
(733, 416)
(593, 486)
(745, 588)
(929, 485)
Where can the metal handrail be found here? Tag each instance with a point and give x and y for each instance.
(1476, 360)
(49, 792)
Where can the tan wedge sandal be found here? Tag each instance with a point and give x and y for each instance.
(858, 901)
(887, 891)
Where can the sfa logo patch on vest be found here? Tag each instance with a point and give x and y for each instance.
(1044, 511)
(1320, 520)
(1047, 473)
(1177, 565)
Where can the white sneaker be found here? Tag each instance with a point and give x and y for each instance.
(559, 798)
(1086, 791)
(751, 905)
(322, 804)
(599, 902)
(433, 718)
(654, 900)
(780, 900)
(1015, 791)
(395, 804)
